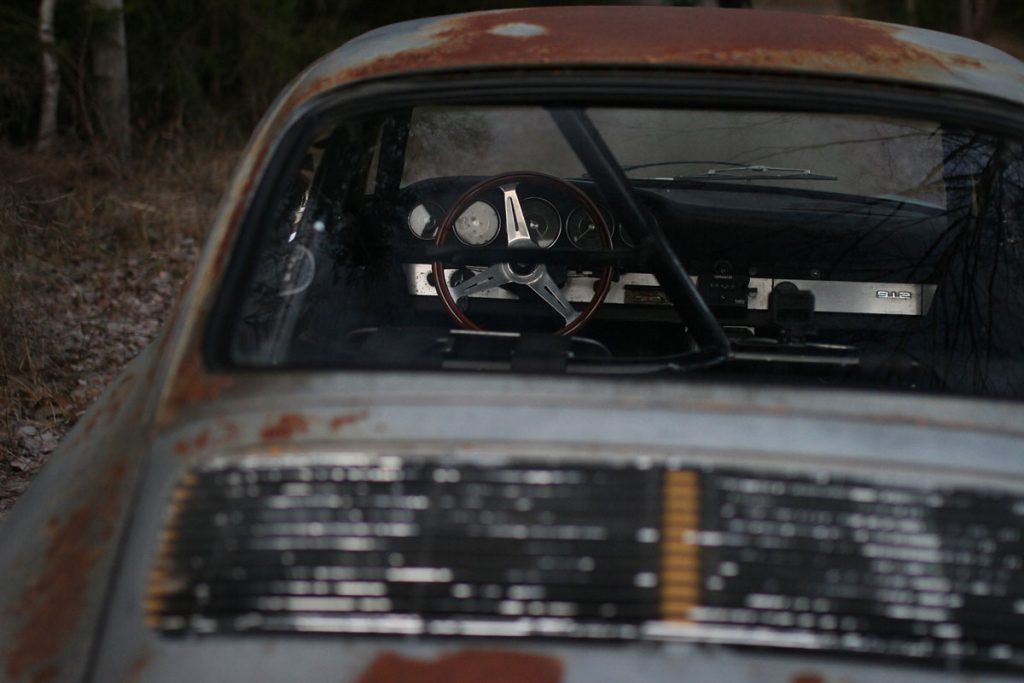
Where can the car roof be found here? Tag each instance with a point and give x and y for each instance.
(705, 39)
(651, 37)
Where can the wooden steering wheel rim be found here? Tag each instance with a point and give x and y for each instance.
(470, 195)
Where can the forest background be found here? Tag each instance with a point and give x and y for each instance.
(120, 122)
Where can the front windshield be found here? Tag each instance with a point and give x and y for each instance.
(829, 249)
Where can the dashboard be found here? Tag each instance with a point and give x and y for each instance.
(733, 287)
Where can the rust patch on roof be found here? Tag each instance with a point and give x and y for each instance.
(653, 36)
(468, 666)
(284, 428)
(51, 607)
(342, 421)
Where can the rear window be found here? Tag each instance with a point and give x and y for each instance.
(831, 249)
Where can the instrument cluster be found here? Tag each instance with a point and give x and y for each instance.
(549, 220)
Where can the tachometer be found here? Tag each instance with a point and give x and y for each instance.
(478, 224)
(542, 221)
(583, 231)
(423, 220)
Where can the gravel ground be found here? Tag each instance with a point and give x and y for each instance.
(80, 324)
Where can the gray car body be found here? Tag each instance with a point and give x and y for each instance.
(78, 551)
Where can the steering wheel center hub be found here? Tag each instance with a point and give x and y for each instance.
(524, 269)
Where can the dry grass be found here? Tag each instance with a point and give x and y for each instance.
(93, 253)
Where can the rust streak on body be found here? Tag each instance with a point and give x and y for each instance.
(225, 433)
(191, 384)
(51, 606)
(285, 427)
(808, 677)
(137, 669)
(469, 666)
(342, 421)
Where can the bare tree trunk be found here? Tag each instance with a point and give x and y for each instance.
(110, 75)
(51, 77)
(976, 17)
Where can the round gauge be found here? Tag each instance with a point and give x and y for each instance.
(478, 224)
(542, 221)
(583, 231)
(624, 234)
(423, 219)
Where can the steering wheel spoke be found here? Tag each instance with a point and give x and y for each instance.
(515, 220)
(548, 290)
(497, 275)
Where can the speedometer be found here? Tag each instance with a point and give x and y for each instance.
(478, 224)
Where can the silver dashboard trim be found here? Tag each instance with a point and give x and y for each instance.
(830, 296)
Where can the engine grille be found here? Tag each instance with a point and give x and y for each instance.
(383, 545)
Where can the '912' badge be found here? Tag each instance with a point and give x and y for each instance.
(893, 294)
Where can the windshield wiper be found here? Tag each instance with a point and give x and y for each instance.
(758, 172)
(734, 171)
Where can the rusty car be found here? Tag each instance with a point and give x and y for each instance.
(572, 344)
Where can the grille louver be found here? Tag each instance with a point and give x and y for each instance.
(370, 545)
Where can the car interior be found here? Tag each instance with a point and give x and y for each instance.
(799, 247)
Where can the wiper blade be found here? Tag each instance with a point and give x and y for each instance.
(734, 171)
(758, 172)
(680, 162)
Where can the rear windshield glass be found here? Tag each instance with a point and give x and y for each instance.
(830, 249)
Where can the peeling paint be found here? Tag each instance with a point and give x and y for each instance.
(51, 607)
(518, 30)
(224, 434)
(191, 384)
(342, 421)
(808, 677)
(467, 666)
(660, 36)
(285, 427)
(138, 667)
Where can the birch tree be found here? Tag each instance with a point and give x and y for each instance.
(51, 77)
(110, 75)
(976, 18)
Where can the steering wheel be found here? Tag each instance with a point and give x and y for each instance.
(536, 276)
